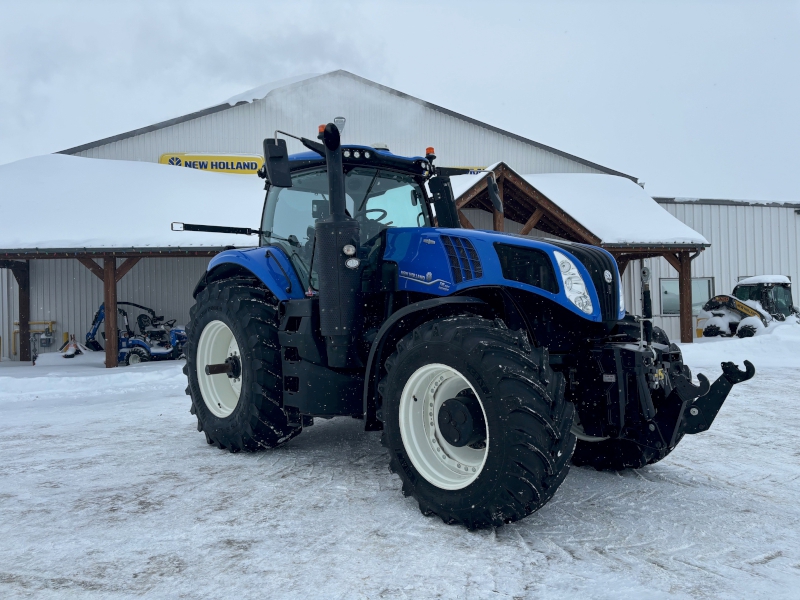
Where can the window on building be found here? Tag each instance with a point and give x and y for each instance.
(702, 290)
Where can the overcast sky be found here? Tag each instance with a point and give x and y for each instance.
(697, 99)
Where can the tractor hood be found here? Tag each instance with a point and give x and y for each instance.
(584, 279)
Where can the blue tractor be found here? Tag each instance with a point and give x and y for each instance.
(157, 339)
(489, 361)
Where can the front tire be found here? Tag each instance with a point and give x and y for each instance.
(522, 439)
(234, 320)
(136, 356)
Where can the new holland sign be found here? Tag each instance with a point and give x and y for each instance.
(221, 163)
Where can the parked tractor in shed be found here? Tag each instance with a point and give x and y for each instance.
(489, 361)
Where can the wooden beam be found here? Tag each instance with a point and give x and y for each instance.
(674, 260)
(531, 223)
(34, 254)
(92, 266)
(465, 221)
(110, 301)
(469, 196)
(22, 273)
(123, 269)
(498, 220)
(685, 297)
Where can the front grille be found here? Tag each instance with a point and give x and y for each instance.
(464, 262)
(597, 262)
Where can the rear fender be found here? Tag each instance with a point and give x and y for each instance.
(398, 325)
(268, 265)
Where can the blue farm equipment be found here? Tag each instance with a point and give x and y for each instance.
(489, 361)
(157, 339)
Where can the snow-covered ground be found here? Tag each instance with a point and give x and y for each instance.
(107, 490)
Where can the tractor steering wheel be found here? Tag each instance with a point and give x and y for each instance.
(380, 210)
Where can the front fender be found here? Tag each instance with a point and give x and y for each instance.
(269, 265)
(398, 325)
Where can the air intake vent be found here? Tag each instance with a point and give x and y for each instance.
(464, 261)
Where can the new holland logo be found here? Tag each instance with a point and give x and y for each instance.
(221, 163)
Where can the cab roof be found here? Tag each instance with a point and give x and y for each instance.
(415, 165)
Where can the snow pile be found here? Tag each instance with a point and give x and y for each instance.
(67, 202)
(615, 209)
(776, 346)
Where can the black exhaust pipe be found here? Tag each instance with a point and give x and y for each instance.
(339, 284)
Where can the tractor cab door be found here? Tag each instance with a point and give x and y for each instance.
(376, 198)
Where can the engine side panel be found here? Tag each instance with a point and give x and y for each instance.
(425, 263)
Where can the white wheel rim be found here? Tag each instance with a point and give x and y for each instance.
(445, 466)
(220, 392)
(134, 358)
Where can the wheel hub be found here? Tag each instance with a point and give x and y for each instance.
(461, 421)
(449, 466)
(218, 353)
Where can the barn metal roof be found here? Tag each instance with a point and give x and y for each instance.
(296, 82)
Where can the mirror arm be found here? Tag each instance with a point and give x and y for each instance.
(177, 226)
(310, 144)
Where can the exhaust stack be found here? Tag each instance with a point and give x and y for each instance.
(339, 284)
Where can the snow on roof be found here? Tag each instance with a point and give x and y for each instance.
(764, 279)
(262, 91)
(460, 184)
(68, 202)
(615, 209)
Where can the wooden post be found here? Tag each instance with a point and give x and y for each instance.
(110, 301)
(685, 296)
(22, 273)
(498, 222)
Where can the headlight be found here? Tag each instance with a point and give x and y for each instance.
(621, 297)
(574, 286)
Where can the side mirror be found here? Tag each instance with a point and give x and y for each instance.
(276, 163)
(494, 194)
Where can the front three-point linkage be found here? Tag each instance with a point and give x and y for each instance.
(701, 403)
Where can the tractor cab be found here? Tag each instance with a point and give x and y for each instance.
(773, 292)
(382, 190)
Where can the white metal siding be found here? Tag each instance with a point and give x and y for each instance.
(373, 115)
(745, 241)
(67, 292)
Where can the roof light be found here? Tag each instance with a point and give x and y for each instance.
(347, 153)
(321, 128)
(429, 150)
(357, 154)
(367, 154)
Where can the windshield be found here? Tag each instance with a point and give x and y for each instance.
(376, 199)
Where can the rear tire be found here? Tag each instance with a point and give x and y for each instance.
(527, 421)
(712, 331)
(236, 413)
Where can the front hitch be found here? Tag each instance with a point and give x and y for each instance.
(700, 404)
